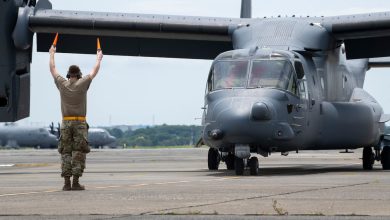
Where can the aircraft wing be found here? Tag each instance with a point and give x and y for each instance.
(364, 35)
(134, 34)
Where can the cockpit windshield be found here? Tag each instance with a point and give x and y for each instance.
(230, 74)
(275, 73)
(271, 73)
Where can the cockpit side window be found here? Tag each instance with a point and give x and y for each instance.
(229, 74)
(299, 69)
(209, 85)
(303, 93)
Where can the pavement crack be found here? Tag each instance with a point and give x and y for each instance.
(256, 197)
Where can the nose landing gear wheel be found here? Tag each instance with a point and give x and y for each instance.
(254, 166)
(368, 158)
(213, 159)
(385, 158)
(230, 161)
(239, 166)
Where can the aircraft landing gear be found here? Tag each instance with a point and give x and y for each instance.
(385, 158)
(253, 164)
(229, 160)
(213, 159)
(368, 158)
(239, 166)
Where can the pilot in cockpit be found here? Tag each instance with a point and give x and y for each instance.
(230, 74)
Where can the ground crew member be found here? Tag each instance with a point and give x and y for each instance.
(73, 144)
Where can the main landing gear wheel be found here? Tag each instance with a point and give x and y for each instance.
(368, 158)
(254, 166)
(385, 158)
(239, 166)
(229, 160)
(213, 159)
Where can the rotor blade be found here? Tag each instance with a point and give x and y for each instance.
(246, 8)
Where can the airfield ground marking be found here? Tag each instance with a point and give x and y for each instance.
(123, 186)
(254, 197)
(29, 193)
(166, 183)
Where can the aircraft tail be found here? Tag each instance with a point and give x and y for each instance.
(246, 8)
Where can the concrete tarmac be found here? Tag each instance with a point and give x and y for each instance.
(176, 184)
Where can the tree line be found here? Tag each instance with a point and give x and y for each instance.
(162, 135)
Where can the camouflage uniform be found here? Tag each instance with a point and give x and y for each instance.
(73, 144)
(73, 147)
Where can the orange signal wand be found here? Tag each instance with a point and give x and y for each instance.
(55, 40)
(98, 44)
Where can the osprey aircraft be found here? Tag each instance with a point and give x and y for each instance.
(276, 84)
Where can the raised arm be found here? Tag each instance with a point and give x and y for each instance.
(96, 68)
(53, 69)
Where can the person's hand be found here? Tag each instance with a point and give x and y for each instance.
(52, 50)
(99, 55)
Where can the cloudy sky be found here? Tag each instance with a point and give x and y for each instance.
(137, 90)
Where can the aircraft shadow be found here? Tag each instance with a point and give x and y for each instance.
(298, 170)
(293, 170)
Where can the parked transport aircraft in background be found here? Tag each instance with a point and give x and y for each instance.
(276, 84)
(99, 138)
(15, 136)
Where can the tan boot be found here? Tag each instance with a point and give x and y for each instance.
(76, 185)
(66, 184)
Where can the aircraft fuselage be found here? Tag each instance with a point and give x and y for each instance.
(296, 91)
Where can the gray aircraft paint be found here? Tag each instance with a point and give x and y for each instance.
(98, 137)
(40, 137)
(23, 136)
(325, 108)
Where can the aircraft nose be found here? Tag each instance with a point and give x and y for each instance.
(244, 121)
(260, 112)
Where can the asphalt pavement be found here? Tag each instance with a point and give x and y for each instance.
(176, 184)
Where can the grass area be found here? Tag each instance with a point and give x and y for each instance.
(159, 147)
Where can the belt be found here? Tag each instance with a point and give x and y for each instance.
(74, 118)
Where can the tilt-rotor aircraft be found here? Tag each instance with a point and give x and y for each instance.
(276, 84)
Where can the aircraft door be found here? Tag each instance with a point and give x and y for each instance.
(309, 93)
(299, 114)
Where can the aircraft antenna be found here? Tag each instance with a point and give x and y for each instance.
(246, 8)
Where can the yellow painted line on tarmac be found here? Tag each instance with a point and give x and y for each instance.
(106, 187)
(124, 186)
(221, 179)
(166, 183)
(142, 184)
(29, 193)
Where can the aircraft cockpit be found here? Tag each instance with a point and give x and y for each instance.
(266, 69)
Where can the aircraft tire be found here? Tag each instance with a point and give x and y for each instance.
(239, 166)
(229, 160)
(385, 158)
(368, 158)
(213, 159)
(254, 166)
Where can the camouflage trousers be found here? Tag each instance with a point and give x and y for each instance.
(73, 147)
